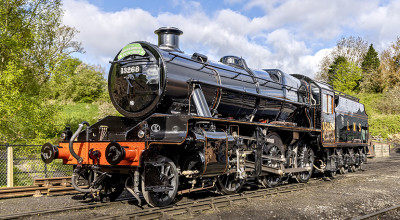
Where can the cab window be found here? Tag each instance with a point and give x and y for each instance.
(327, 103)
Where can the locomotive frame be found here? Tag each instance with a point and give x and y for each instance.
(193, 124)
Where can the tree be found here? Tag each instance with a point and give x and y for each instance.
(32, 42)
(61, 76)
(344, 76)
(76, 81)
(333, 68)
(89, 84)
(390, 65)
(372, 80)
(370, 60)
(31, 31)
(352, 48)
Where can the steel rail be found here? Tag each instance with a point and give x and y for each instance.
(197, 206)
(188, 207)
(373, 214)
(49, 211)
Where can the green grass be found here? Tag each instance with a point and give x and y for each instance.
(370, 101)
(380, 124)
(75, 113)
(384, 125)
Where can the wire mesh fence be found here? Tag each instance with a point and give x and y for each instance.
(3, 165)
(27, 165)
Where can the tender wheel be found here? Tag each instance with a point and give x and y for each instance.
(363, 157)
(331, 173)
(228, 184)
(360, 167)
(343, 170)
(161, 182)
(352, 168)
(305, 159)
(273, 150)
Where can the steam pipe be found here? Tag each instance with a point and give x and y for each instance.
(201, 103)
(74, 178)
(71, 146)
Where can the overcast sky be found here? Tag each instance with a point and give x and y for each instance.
(291, 35)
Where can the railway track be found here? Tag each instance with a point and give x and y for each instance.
(198, 206)
(378, 213)
(189, 207)
(186, 206)
(50, 211)
(40, 187)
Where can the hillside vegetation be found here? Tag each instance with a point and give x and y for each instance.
(42, 88)
(381, 124)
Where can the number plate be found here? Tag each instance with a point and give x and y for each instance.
(131, 69)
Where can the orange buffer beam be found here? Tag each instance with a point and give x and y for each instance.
(133, 150)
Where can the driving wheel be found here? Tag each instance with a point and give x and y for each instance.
(305, 159)
(273, 148)
(160, 182)
(229, 184)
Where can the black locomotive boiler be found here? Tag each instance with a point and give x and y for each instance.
(190, 124)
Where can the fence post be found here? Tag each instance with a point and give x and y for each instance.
(10, 166)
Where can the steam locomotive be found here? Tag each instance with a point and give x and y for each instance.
(190, 124)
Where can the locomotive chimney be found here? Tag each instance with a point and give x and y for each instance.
(168, 38)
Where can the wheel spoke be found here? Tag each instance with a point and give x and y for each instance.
(167, 169)
(305, 159)
(273, 151)
(228, 184)
(168, 175)
(162, 169)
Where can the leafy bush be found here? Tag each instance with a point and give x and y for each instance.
(73, 114)
(384, 125)
(76, 81)
(390, 102)
(370, 102)
(86, 85)
(383, 117)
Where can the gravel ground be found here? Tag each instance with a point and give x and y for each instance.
(356, 194)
